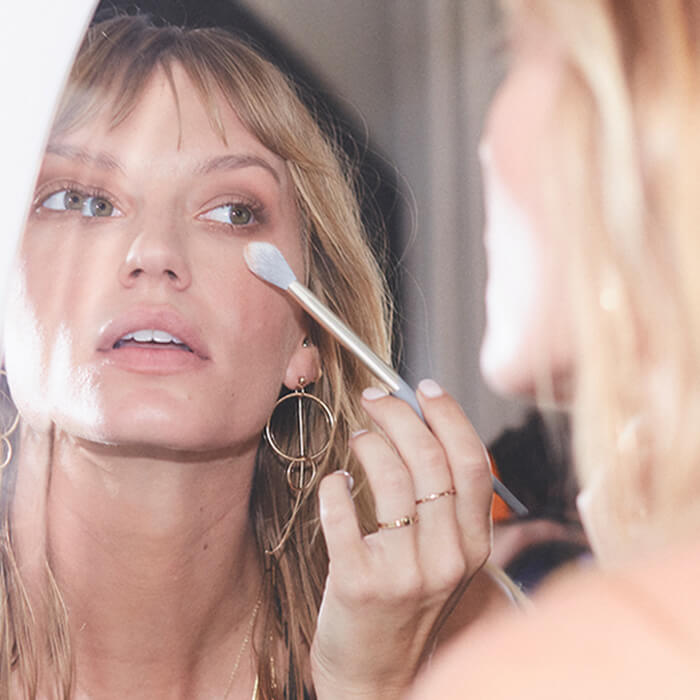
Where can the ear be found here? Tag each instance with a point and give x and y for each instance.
(304, 363)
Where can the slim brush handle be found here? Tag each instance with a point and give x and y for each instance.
(398, 386)
(510, 500)
(344, 335)
(407, 394)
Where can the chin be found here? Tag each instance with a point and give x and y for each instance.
(179, 426)
(151, 426)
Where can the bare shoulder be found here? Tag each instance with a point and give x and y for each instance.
(631, 633)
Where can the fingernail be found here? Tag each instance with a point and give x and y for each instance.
(357, 433)
(430, 388)
(348, 477)
(373, 393)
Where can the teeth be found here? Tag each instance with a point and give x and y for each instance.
(151, 336)
(163, 337)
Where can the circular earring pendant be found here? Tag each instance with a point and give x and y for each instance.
(300, 474)
(301, 468)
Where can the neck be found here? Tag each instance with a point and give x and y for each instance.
(156, 559)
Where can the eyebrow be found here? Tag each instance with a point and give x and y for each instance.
(235, 162)
(105, 161)
(100, 159)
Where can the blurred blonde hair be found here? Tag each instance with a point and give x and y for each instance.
(114, 65)
(624, 192)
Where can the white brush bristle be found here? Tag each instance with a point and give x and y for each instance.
(268, 263)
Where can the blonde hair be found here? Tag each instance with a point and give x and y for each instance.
(114, 64)
(625, 205)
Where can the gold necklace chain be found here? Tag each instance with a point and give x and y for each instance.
(239, 656)
(244, 646)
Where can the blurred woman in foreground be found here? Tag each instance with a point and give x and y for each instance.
(591, 155)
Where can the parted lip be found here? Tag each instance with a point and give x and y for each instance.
(164, 319)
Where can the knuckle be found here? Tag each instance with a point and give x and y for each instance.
(335, 511)
(334, 518)
(453, 572)
(367, 441)
(358, 591)
(475, 467)
(448, 575)
(326, 486)
(387, 590)
(394, 479)
(430, 455)
(325, 490)
(408, 586)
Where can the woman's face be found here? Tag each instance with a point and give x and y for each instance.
(133, 318)
(527, 335)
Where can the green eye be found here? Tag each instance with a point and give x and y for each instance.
(73, 200)
(236, 215)
(99, 206)
(240, 215)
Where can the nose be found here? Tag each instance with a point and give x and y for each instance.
(157, 253)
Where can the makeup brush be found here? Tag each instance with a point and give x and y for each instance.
(266, 261)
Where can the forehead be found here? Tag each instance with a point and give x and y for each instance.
(171, 116)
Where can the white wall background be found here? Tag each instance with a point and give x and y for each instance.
(419, 72)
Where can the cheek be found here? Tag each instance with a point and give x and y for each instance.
(40, 365)
(25, 352)
(265, 328)
(263, 321)
(261, 328)
(59, 281)
(62, 264)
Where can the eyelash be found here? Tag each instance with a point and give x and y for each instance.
(84, 192)
(256, 209)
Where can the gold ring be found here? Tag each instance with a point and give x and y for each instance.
(400, 522)
(452, 491)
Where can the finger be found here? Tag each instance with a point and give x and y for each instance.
(390, 482)
(418, 448)
(346, 549)
(467, 459)
(439, 541)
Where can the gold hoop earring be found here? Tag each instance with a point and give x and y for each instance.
(301, 467)
(6, 434)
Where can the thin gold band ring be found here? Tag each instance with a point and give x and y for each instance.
(399, 522)
(452, 491)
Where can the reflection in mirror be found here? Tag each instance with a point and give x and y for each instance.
(154, 544)
(145, 359)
